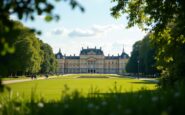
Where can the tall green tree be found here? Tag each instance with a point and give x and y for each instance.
(49, 62)
(27, 10)
(142, 58)
(147, 54)
(165, 20)
(132, 65)
(26, 57)
(170, 55)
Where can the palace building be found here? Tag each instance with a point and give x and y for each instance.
(92, 60)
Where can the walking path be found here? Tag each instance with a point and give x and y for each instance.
(150, 79)
(145, 79)
(24, 80)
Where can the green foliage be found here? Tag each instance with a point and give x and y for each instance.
(29, 8)
(26, 10)
(170, 55)
(142, 58)
(132, 65)
(49, 62)
(146, 13)
(147, 54)
(48, 18)
(165, 19)
(26, 57)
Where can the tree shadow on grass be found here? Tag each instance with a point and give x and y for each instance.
(144, 82)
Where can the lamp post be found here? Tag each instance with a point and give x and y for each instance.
(138, 68)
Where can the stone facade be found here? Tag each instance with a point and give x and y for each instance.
(91, 60)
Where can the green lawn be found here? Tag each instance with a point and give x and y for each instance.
(53, 88)
(169, 101)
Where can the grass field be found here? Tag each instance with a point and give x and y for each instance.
(131, 100)
(55, 87)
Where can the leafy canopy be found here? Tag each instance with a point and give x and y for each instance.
(142, 58)
(27, 10)
(154, 14)
(27, 55)
(165, 21)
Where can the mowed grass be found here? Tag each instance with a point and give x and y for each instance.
(54, 88)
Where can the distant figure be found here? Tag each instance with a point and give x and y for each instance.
(46, 75)
(33, 76)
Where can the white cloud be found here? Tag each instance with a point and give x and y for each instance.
(60, 31)
(95, 30)
(57, 31)
(106, 28)
(81, 33)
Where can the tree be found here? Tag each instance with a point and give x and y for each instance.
(24, 9)
(150, 13)
(165, 20)
(132, 65)
(49, 62)
(170, 55)
(26, 57)
(27, 10)
(147, 54)
(142, 58)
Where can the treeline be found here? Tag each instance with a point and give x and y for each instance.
(142, 60)
(28, 55)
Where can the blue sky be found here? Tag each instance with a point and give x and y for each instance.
(94, 28)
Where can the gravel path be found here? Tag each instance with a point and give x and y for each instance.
(21, 80)
(145, 79)
(150, 79)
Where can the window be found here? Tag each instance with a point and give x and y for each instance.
(58, 56)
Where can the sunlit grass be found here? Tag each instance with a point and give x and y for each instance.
(108, 96)
(52, 89)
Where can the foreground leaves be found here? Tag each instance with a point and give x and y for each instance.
(159, 102)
